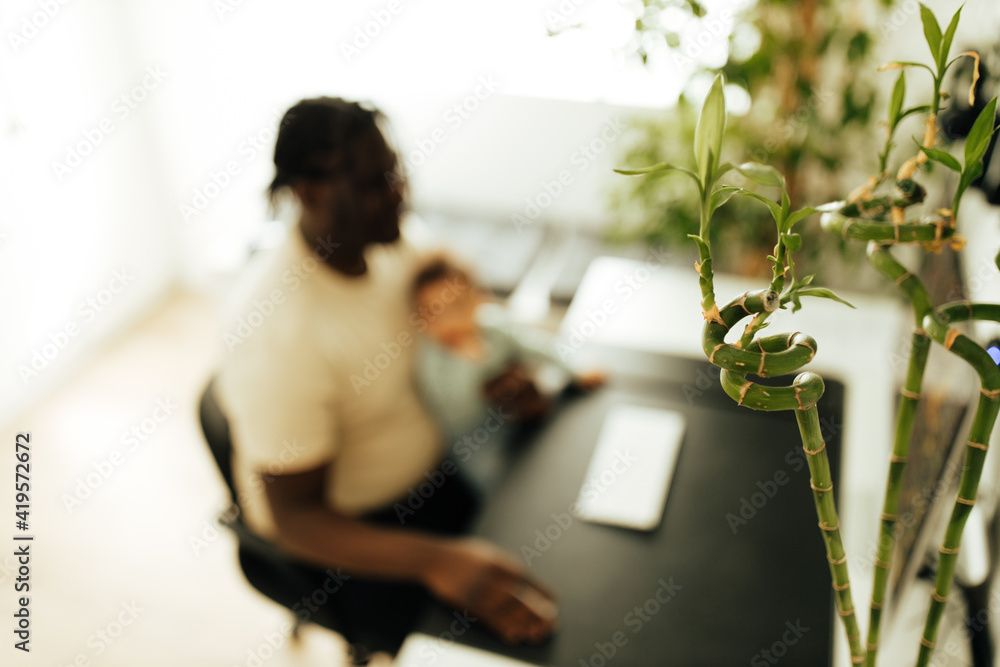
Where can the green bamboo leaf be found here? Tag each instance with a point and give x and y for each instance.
(761, 173)
(793, 242)
(896, 104)
(663, 166)
(700, 242)
(932, 31)
(823, 293)
(949, 35)
(786, 203)
(900, 64)
(971, 173)
(708, 133)
(799, 216)
(722, 195)
(978, 139)
(773, 207)
(923, 108)
(941, 157)
(807, 280)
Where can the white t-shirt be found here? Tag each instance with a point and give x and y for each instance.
(319, 370)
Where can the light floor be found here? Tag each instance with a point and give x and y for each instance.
(135, 573)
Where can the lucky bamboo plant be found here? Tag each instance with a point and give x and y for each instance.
(876, 213)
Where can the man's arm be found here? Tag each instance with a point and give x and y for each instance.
(466, 574)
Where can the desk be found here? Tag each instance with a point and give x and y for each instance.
(733, 595)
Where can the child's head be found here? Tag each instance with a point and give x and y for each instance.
(446, 297)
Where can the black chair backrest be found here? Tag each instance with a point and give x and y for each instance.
(215, 426)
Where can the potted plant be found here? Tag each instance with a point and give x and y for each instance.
(876, 212)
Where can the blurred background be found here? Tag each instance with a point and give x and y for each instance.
(135, 147)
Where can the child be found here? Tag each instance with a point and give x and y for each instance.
(467, 354)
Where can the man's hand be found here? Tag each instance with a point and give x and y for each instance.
(514, 390)
(492, 586)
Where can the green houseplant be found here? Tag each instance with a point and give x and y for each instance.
(875, 212)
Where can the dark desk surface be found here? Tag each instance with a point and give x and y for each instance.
(739, 594)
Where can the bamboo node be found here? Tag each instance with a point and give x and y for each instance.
(821, 489)
(885, 565)
(798, 399)
(938, 598)
(743, 392)
(711, 357)
(760, 369)
(978, 445)
(965, 501)
(912, 395)
(742, 303)
(950, 337)
(830, 529)
(842, 587)
(889, 517)
(876, 605)
(947, 551)
(990, 393)
(846, 612)
(813, 452)
(837, 561)
(872, 647)
(907, 274)
(897, 459)
(925, 642)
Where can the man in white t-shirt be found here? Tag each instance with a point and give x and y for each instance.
(327, 429)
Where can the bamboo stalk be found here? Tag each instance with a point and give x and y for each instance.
(937, 326)
(916, 294)
(908, 400)
(778, 355)
(822, 485)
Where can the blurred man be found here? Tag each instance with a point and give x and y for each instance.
(328, 432)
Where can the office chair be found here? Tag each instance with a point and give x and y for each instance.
(265, 566)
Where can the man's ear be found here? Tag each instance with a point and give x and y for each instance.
(309, 193)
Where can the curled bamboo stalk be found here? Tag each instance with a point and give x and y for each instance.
(938, 327)
(864, 221)
(779, 355)
(909, 398)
